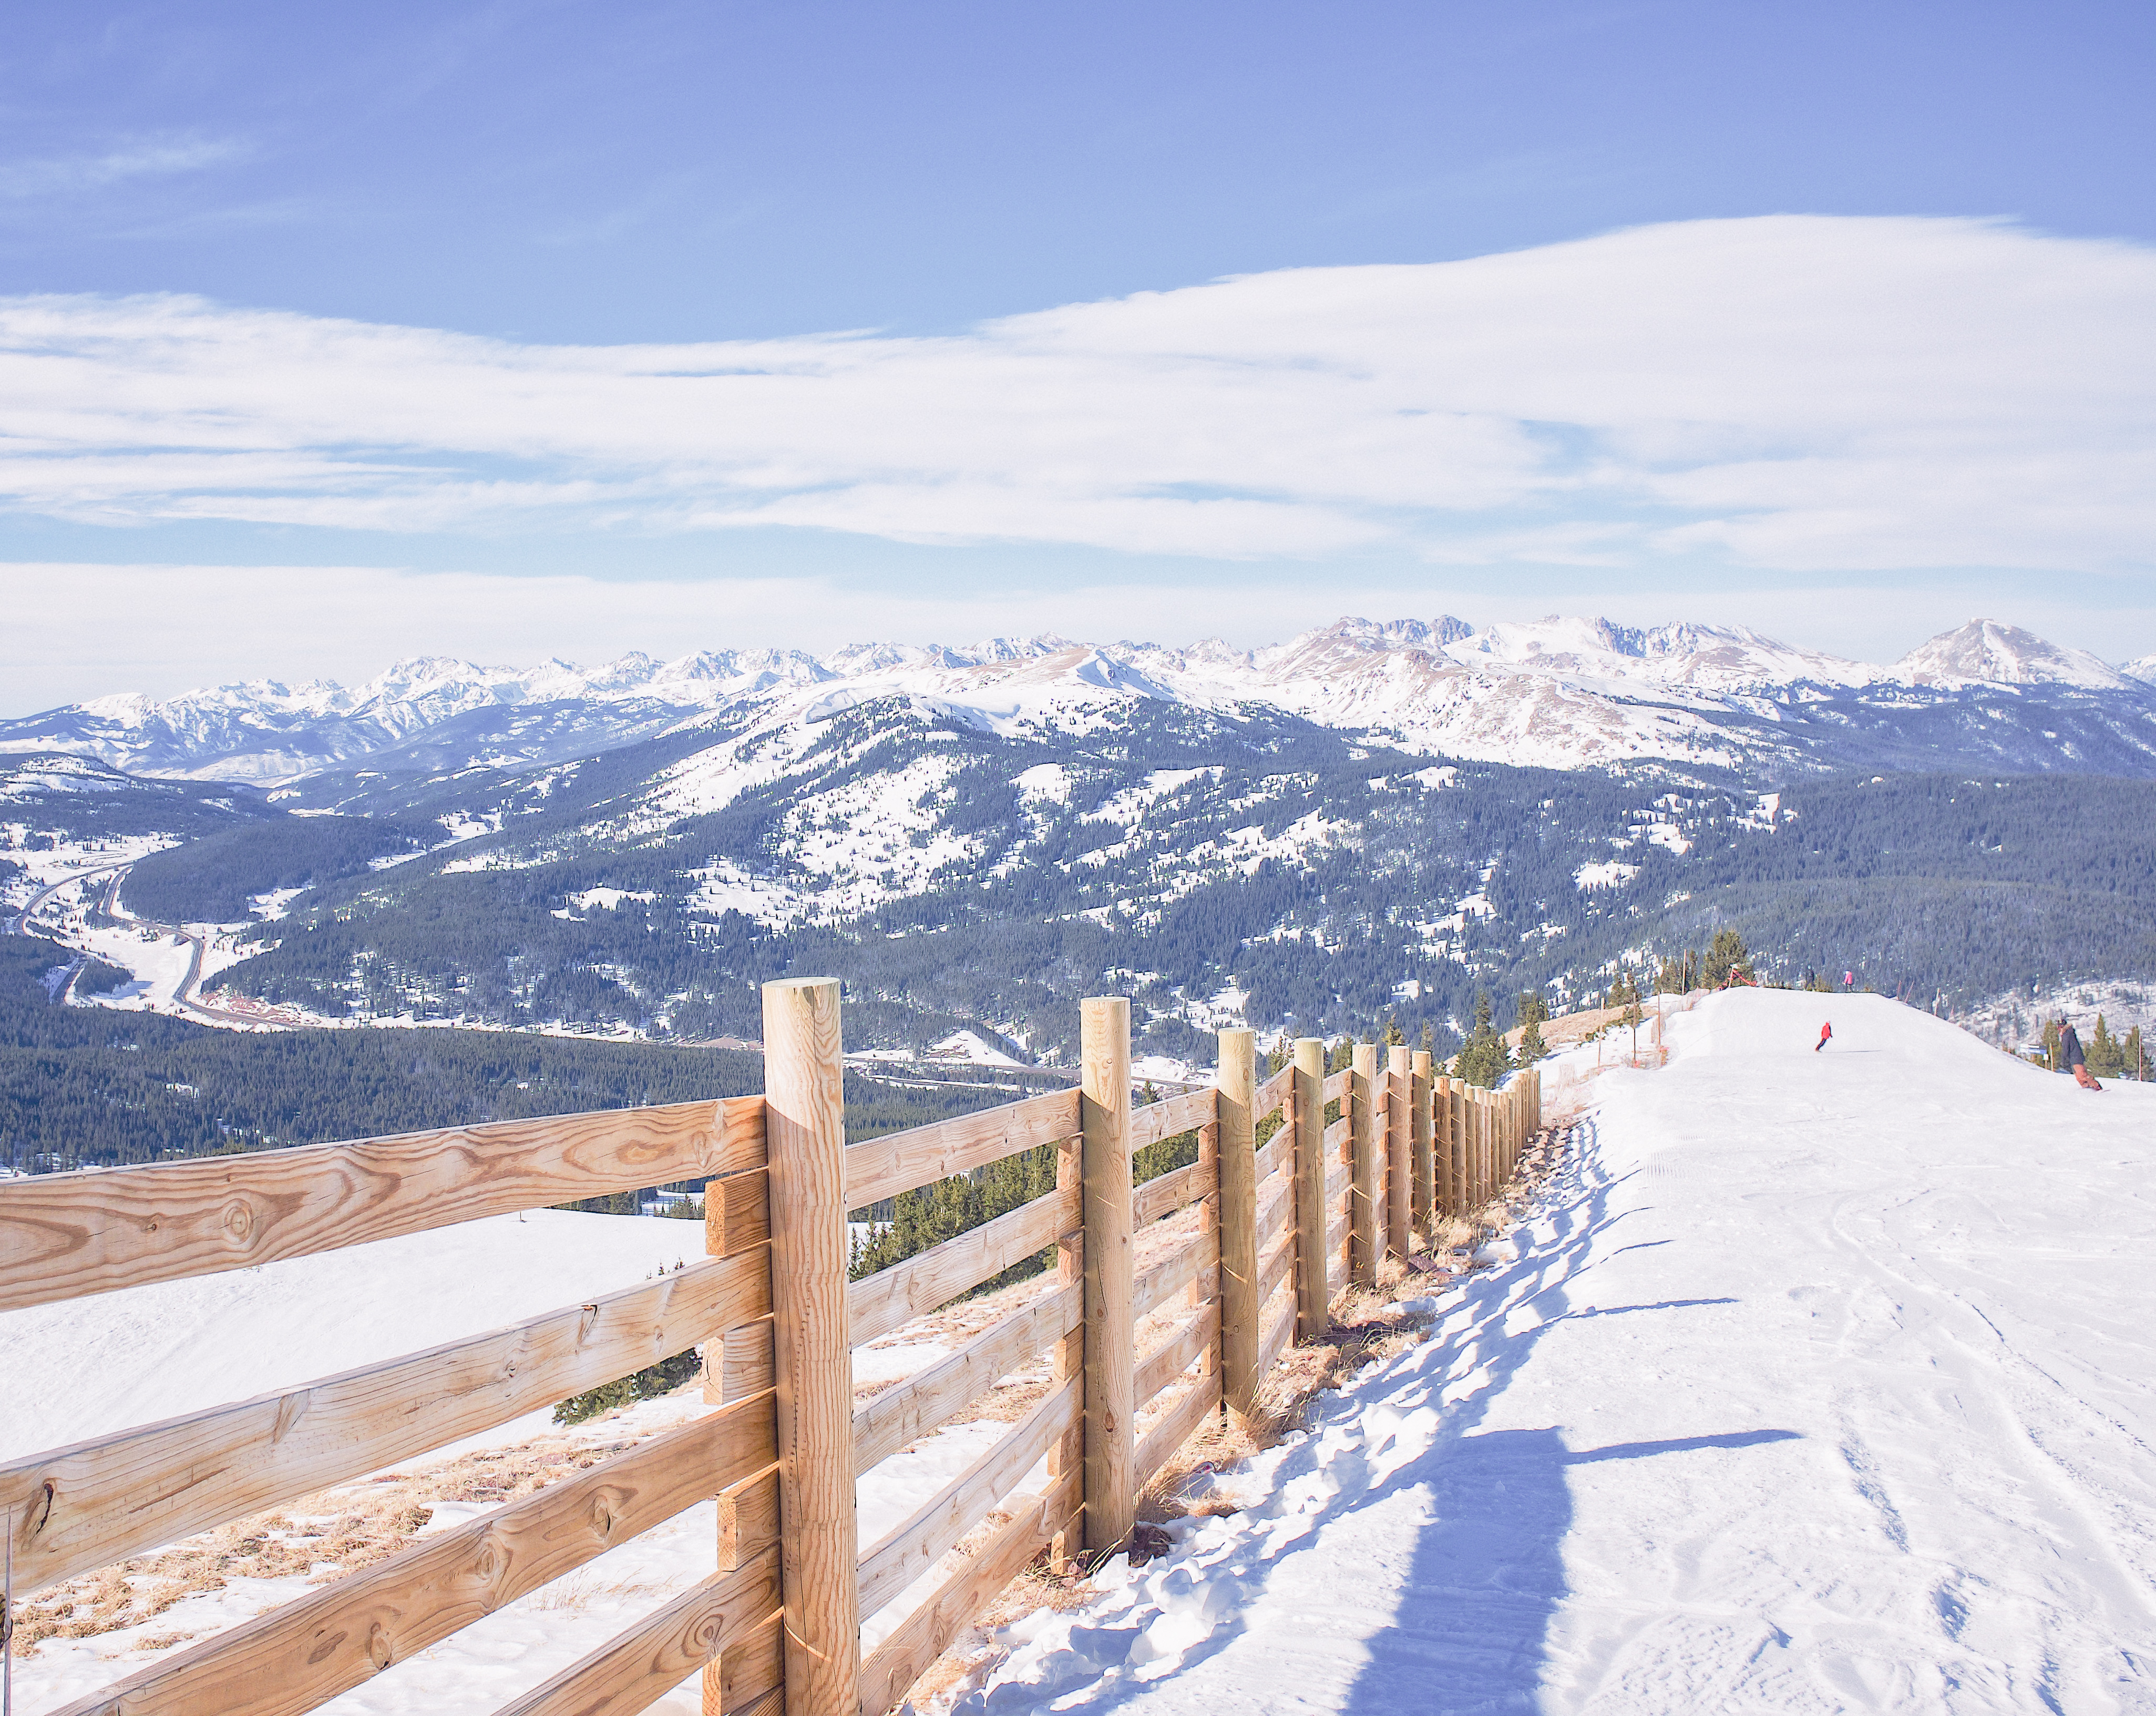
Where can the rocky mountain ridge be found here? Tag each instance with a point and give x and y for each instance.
(1560, 692)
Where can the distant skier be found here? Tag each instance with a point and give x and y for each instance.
(1826, 1031)
(2070, 1053)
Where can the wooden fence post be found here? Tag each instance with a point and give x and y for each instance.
(1363, 1227)
(1237, 1083)
(1425, 1158)
(1399, 1149)
(805, 1125)
(1104, 1110)
(1313, 1295)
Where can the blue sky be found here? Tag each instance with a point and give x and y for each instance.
(581, 187)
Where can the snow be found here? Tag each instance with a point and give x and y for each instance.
(1603, 875)
(1812, 1382)
(1563, 692)
(1803, 1389)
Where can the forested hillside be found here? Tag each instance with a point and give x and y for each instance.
(84, 1084)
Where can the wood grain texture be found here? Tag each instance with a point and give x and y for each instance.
(1163, 1279)
(65, 1235)
(1167, 1193)
(737, 1213)
(1187, 1112)
(1177, 1427)
(908, 1411)
(748, 1363)
(1275, 1206)
(1199, 1333)
(1335, 1086)
(1366, 1148)
(1418, 1140)
(340, 1635)
(639, 1665)
(907, 1651)
(902, 1161)
(81, 1507)
(748, 1518)
(805, 1130)
(893, 1297)
(1339, 1139)
(1236, 1084)
(1105, 1113)
(1276, 1093)
(1400, 1150)
(913, 1548)
(1339, 1182)
(1275, 1268)
(1312, 1297)
(749, 1667)
(1278, 1152)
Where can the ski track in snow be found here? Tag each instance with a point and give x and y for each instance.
(1814, 1382)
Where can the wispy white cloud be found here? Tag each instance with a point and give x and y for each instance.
(132, 158)
(1784, 392)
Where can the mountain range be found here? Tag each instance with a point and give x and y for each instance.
(1554, 693)
(1370, 820)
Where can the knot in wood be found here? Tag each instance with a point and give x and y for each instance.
(238, 1220)
(378, 1648)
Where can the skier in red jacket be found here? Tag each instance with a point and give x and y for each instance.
(1826, 1030)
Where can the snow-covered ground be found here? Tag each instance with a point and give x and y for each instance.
(1815, 1382)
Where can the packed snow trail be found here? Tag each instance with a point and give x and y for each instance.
(1816, 1382)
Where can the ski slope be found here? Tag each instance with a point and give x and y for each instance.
(1816, 1383)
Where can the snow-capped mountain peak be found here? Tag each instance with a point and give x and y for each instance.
(1563, 691)
(1990, 652)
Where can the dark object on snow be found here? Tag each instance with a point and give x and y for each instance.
(1826, 1030)
(1147, 1543)
(2072, 1060)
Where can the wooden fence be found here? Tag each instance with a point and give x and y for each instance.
(1284, 1228)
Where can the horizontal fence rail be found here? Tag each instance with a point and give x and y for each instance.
(1243, 1249)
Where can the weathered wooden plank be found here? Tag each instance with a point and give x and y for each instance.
(805, 1125)
(1337, 1085)
(913, 1547)
(1159, 1444)
(899, 1161)
(1277, 1153)
(65, 1235)
(1187, 1112)
(1275, 1206)
(908, 1411)
(1169, 1192)
(1338, 1136)
(639, 1666)
(1277, 1266)
(1277, 1339)
(1158, 1283)
(1236, 1153)
(1338, 1180)
(96, 1502)
(748, 1668)
(882, 1301)
(1199, 1333)
(748, 1363)
(340, 1636)
(737, 1213)
(1313, 1295)
(1274, 1093)
(748, 1519)
(909, 1649)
